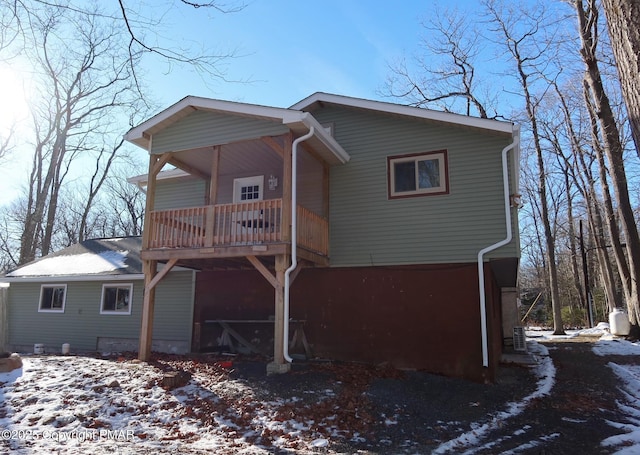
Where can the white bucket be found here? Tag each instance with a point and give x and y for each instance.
(619, 323)
(38, 348)
(65, 348)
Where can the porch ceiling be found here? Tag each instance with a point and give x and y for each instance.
(236, 158)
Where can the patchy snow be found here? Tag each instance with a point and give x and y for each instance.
(608, 345)
(544, 370)
(629, 375)
(79, 264)
(82, 405)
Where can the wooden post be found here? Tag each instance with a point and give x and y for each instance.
(286, 189)
(279, 364)
(146, 331)
(325, 190)
(156, 163)
(215, 172)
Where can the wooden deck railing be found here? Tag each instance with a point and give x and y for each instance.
(246, 223)
(313, 231)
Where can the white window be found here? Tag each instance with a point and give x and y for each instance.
(116, 298)
(52, 298)
(418, 174)
(248, 189)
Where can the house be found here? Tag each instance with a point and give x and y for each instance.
(89, 295)
(389, 232)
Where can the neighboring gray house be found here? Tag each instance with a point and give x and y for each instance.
(90, 296)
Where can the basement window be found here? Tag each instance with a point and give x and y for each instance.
(419, 174)
(116, 298)
(52, 298)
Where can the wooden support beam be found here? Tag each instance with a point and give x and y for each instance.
(189, 169)
(279, 364)
(160, 161)
(215, 172)
(271, 142)
(160, 275)
(325, 190)
(264, 271)
(287, 189)
(148, 303)
(155, 166)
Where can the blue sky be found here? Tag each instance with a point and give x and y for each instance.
(286, 50)
(290, 49)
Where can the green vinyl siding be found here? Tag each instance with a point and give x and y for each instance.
(81, 324)
(310, 175)
(368, 228)
(202, 129)
(180, 193)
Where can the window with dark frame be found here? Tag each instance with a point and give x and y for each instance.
(52, 298)
(418, 174)
(116, 299)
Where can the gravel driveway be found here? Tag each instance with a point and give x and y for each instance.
(424, 411)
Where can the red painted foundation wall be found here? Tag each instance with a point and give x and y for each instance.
(418, 317)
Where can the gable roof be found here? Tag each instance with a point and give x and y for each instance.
(297, 121)
(316, 100)
(96, 259)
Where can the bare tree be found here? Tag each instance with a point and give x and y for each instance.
(89, 90)
(127, 201)
(624, 30)
(104, 161)
(140, 28)
(613, 149)
(445, 73)
(580, 166)
(84, 89)
(520, 34)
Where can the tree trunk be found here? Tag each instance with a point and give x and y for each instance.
(572, 244)
(613, 150)
(624, 31)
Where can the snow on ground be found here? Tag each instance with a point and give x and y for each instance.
(82, 405)
(545, 372)
(628, 373)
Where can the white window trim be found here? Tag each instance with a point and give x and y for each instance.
(64, 299)
(441, 156)
(257, 180)
(116, 285)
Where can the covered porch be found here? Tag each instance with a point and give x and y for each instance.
(263, 200)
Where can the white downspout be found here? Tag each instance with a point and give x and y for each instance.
(294, 237)
(481, 253)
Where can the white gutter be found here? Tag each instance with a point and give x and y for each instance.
(481, 253)
(294, 238)
(70, 278)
